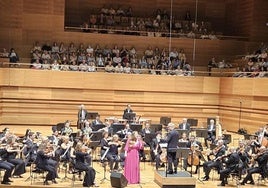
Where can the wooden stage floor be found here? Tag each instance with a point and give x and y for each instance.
(147, 172)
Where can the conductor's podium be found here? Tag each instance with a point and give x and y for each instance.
(182, 179)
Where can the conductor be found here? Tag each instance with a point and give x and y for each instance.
(172, 144)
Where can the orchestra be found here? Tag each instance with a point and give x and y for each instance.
(47, 153)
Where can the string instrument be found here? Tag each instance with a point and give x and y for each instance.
(163, 156)
(193, 158)
(254, 157)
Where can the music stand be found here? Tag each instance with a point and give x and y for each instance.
(165, 120)
(182, 153)
(116, 127)
(182, 144)
(98, 127)
(203, 133)
(213, 146)
(96, 136)
(228, 138)
(92, 115)
(192, 122)
(135, 127)
(181, 131)
(148, 138)
(130, 116)
(156, 127)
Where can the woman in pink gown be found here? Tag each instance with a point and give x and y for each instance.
(132, 162)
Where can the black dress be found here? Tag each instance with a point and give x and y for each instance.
(42, 163)
(81, 165)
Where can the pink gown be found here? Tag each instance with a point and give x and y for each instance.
(132, 163)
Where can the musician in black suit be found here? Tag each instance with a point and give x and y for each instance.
(146, 130)
(172, 145)
(155, 150)
(126, 111)
(184, 125)
(262, 158)
(96, 121)
(8, 167)
(43, 155)
(81, 154)
(30, 149)
(232, 163)
(82, 116)
(104, 144)
(216, 163)
(195, 146)
(12, 150)
(112, 155)
(211, 128)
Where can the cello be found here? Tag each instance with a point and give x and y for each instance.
(193, 158)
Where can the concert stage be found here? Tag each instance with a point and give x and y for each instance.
(182, 179)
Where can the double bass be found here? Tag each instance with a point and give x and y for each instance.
(193, 158)
(262, 140)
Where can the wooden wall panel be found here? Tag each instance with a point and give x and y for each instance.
(47, 97)
(54, 97)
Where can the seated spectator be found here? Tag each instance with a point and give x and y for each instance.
(264, 64)
(73, 66)
(36, 46)
(13, 57)
(90, 58)
(125, 60)
(115, 51)
(100, 61)
(157, 52)
(55, 48)
(129, 12)
(141, 24)
(143, 63)
(104, 10)
(98, 51)
(64, 66)
(119, 68)
(81, 49)
(120, 12)
(149, 52)
(173, 54)
(222, 64)
(187, 16)
(109, 68)
(4, 53)
(107, 59)
(45, 56)
(36, 55)
(71, 48)
(62, 49)
(93, 21)
(212, 36)
(91, 67)
(55, 65)
(46, 65)
(133, 24)
(132, 52)
(116, 60)
(111, 11)
(136, 69)
(106, 50)
(37, 65)
(89, 50)
(110, 21)
(46, 47)
(152, 70)
(123, 52)
(191, 34)
(81, 57)
(127, 69)
(83, 66)
(73, 57)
